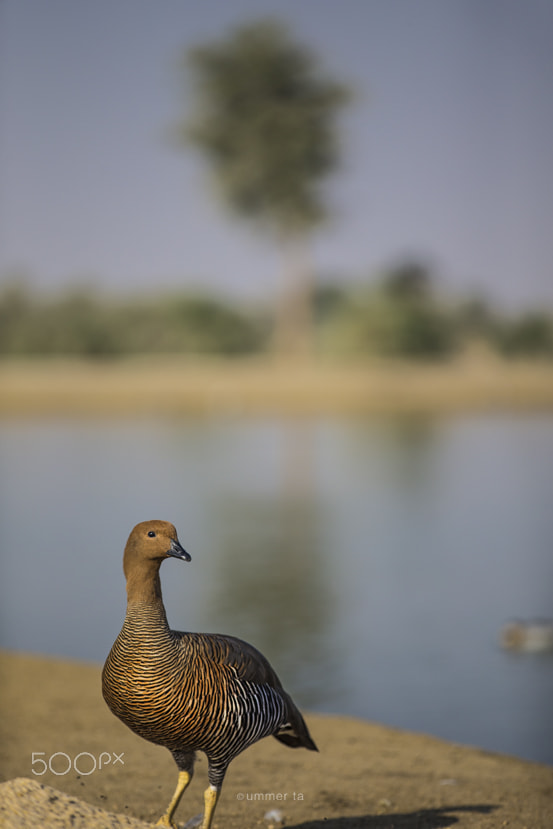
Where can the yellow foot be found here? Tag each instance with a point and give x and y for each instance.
(166, 821)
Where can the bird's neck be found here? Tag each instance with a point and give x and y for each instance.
(144, 590)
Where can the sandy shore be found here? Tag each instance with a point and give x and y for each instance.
(256, 386)
(365, 776)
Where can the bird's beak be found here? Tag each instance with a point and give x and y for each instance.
(177, 551)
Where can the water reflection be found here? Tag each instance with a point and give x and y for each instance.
(400, 451)
(374, 561)
(273, 585)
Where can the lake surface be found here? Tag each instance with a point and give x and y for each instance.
(373, 560)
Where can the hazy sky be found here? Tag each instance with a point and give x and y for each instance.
(448, 144)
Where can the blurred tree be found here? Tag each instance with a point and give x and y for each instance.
(408, 282)
(399, 317)
(15, 305)
(409, 322)
(328, 299)
(207, 326)
(529, 335)
(475, 317)
(264, 118)
(81, 323)
(477, 324)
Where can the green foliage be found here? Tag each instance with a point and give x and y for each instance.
(414, 324)
(264, 119)
(329, 300)
(398, 318)
(408, 283)
(476, 320)
(421, 331)
(525, 335)
(529, 335)
(81, 323)
(15, 312)
(377, 325)
(207, 326)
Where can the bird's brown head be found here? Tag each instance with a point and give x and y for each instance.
(152, 541)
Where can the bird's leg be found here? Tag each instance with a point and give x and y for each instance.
(211, 796)
(166, 820)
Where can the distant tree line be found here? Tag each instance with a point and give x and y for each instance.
(85, 323)
(401, 315)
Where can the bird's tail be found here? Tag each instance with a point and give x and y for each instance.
(294, 733)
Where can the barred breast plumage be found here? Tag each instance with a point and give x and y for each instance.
(190, 691)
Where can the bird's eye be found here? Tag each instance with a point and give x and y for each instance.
(151, 534)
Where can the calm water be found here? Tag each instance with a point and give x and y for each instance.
(373, 561)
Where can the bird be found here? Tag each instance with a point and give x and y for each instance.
(531, 636)
(190, 692)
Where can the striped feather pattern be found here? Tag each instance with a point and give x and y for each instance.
(194, 692)
(190, 691)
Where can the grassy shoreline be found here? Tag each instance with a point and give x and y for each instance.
(174, 385)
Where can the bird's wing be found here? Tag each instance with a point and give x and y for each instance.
(248, 663)
(251, 666)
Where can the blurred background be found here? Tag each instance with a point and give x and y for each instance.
(357, 188)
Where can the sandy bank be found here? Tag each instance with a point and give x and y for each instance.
(174, 386)
(365, 777)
